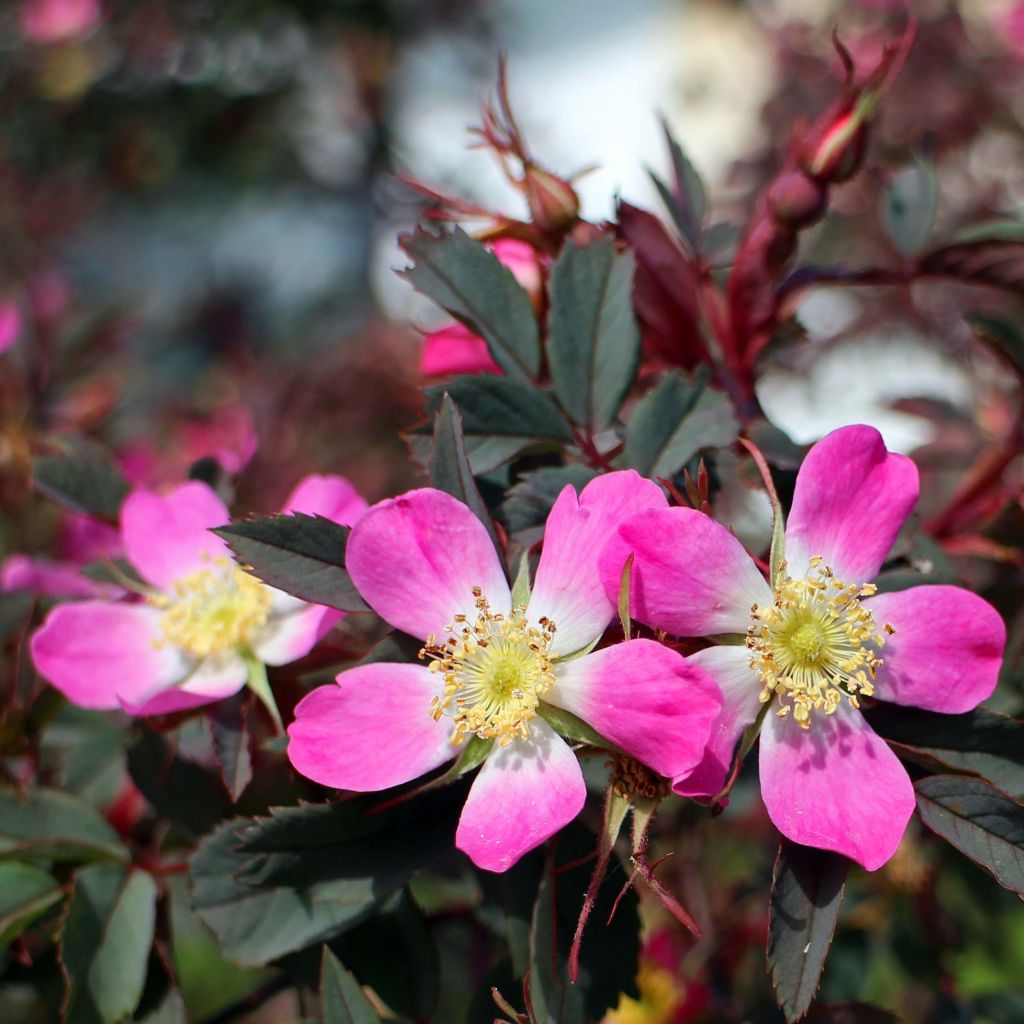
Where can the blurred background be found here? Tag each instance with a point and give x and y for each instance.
(198, 213)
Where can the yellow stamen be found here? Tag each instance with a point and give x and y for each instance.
(816, 645)
(214, 610)
(495, 671)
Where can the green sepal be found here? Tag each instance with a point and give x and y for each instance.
(624, 595)
(521, 586)
(260, 685)
(569, 727)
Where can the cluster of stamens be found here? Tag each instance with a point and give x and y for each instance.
(495, 670)
(816, 645)
(213, 610)
(631, 778)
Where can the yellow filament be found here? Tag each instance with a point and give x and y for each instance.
(815, 645)
(495, 670)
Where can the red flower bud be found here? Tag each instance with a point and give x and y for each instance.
(797, 200)
(553, 202)
(839, 152)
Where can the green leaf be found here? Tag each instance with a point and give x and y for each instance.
(685, 198)
(299, 554)
(49, 825)
(161, 1001)
(981, 742)
(530, 498)
(271, 886)
(449, 465)
(84, 478)
(394, 953)
(179, 790)
(807, 892)
(593, 341)
(851, 1013)
(909, 207)
(1004, 334)
(609, 953)
(342, 1000)
(26, 893)
(231, 740)
(106, 942)
(500, 417)
(470, 282)
(983, 824)
(674, 421)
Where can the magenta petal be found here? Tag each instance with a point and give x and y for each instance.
(946, 652)
(690, 576)
(55, 579)
(645, 698)
(416, 559)
(332, 497)
(568, 588)
(730, 668)
(455, 349)
(851, 498)
(836, 786)
(371, 731)
(524, 794)
(289, 637)
(100, 654)
(168, 536)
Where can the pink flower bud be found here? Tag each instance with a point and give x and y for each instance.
(797, 200)
(553, 202)
(839, 152)
(521, 258)
(57, 21)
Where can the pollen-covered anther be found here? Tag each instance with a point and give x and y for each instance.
(214, 610)
(495, 670)
(815, 645)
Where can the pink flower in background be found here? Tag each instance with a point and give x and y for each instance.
(10, 324)
(455, 348)
(426, 565)
(817, 643)
(187, 643)
(1013, 26)
(57, 21)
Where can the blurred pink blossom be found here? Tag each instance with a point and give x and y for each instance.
(57, 21)
(10, 324)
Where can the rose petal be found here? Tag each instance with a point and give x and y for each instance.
(947, 650)
(645, 698)
(371, 731)
(332, 497)
(568, 588)
(168, 536)
(212, 680)
(100, 654)
(455, 349)
(835, 785)
(292, 636)
(55, 579)
(852, 497)
(523, 794)
(690, 576)
(416, 559)
(730, 668)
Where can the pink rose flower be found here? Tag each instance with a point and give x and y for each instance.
(186, 643)
(455, 348)
(57, 21)
(817, 643)
(426, 565)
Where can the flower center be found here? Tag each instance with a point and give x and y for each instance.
(214, 610)
(816, 645)
(495, 670)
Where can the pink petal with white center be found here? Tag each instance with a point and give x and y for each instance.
(212, 680)
(168, 536)
(852, 497)
(835, 785)
(690, 576)
(947, 650)
(371, 731)
(730, 668)
(332, 497)
(416, 559)
(523, 794)
(289, 637)
(455, 349)
(568, 588)
(100, 654)
(647, 699)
